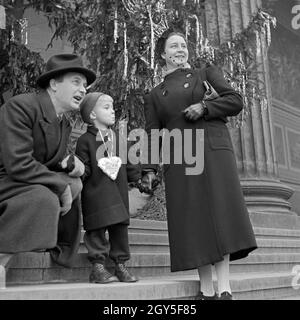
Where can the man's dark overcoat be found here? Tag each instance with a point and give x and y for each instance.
(32, 143)
(207, 216)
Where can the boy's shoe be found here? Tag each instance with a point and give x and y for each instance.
(123, 274)
(99, 274)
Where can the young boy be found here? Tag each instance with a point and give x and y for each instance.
(105, 203)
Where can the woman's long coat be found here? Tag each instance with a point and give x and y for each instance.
(207, 215)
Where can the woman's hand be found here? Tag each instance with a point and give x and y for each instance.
(194, 111)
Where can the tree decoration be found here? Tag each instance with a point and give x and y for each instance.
(116, 25)
(125, 53)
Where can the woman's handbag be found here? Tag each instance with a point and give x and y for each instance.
(210, 92)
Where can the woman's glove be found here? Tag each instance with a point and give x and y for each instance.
(195, 111)
(148, 183)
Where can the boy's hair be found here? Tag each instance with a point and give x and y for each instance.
(87, 105)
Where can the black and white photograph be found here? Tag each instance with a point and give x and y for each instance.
(150, 153)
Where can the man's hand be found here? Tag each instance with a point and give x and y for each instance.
(194, 111)
(65, 201)
(76, 165)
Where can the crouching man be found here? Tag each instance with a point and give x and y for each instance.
(39, 185)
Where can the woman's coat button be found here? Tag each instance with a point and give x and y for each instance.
(186, 85)
(165, 93)
(188, 75)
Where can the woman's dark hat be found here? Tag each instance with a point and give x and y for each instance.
(62, 63)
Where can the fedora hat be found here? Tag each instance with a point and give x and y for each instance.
(62, 63)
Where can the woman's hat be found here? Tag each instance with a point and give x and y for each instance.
(87, 105)
(62, 63)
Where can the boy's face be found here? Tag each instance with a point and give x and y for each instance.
(103, 112)
(70, 90)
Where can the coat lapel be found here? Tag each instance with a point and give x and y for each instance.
(56, 134)
(49, 124)
(65, 133)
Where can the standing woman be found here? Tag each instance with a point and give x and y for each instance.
(208, 222)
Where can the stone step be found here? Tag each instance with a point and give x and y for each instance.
(274, 219)
(152, 236)
(38, 267)
(158, 243)
(287, 298)
(160, 227)
(277, 245)
(276, 233)
(263, 286)
(278, 251)
(148, 240)
(272, 262)
(148, 226)
(143, 242)
(246, 286)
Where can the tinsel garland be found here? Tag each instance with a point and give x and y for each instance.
(237, 58)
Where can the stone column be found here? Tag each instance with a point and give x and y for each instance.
(266, 197)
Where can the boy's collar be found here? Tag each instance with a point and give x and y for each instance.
(92, 129)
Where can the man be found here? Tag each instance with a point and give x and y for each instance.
(39, 207)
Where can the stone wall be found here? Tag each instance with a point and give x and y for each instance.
(39, 36)
(286, 125)
(284, 69)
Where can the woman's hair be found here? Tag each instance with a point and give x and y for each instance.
(161, 44)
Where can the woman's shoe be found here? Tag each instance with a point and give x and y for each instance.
(201, 296)
(225, 296)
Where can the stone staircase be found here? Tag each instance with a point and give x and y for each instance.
(265, 274)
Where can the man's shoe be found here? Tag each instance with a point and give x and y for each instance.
(201, 296)
(123, 274)
(99, 274)
(4, 261)
(225, 296)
